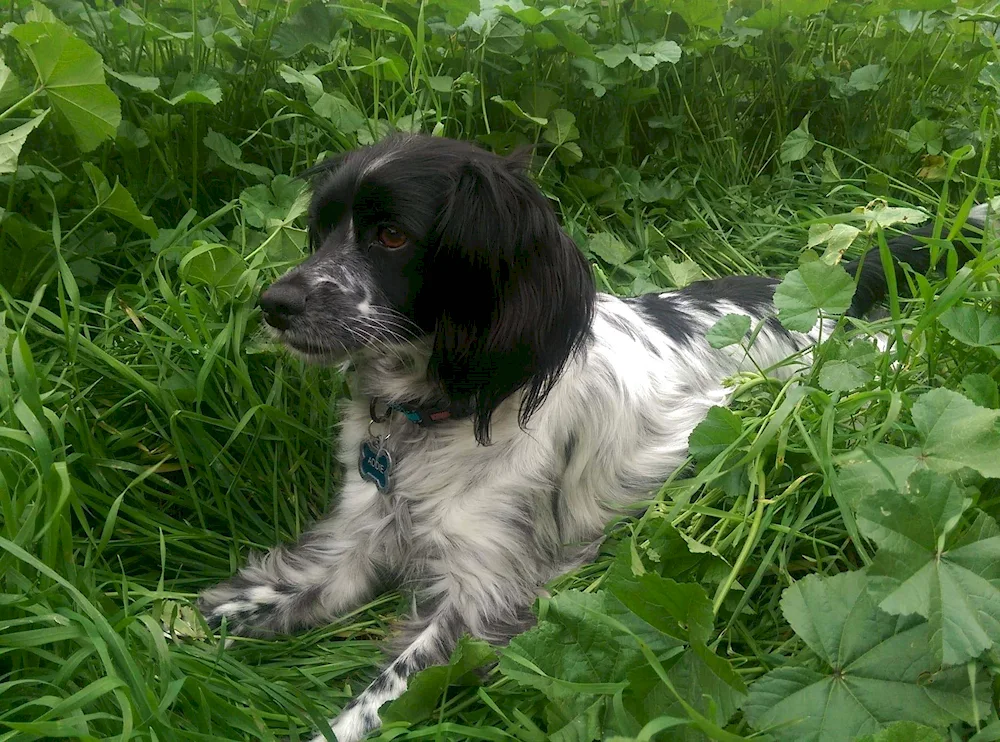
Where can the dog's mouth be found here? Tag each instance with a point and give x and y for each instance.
(309, 349)
(328, 349)
(316, 353)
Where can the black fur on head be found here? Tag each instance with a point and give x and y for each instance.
(511, 294)
(421, 237)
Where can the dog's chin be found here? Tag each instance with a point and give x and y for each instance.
(332, 352)
(317, 353)
(321, 357)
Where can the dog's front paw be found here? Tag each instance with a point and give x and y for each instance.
(249, 608)
(353, 725)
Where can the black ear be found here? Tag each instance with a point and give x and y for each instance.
(512, 295)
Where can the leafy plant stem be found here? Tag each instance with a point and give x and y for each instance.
(755, 494)
(26, 99)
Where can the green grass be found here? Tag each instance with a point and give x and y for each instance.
(149, 439)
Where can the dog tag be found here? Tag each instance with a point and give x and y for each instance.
(375, 464)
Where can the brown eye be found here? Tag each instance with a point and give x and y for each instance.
(391, 237)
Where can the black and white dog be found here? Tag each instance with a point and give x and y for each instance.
(504, 411)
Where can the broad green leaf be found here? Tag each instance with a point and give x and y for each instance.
(313, 25)
(881, 466)
(886, 216)
(610, 249)
(199, 89)
(231, 154)
(862, 352)
(424, 689)
(569, 153)
(904, 731)
(573, 651)
(798, 143)
(506, 36)
(925, 135)
(953, 583)
(277, 205)
(216, 266)
(837, 237)
(704, 680)
(662, 51)
(180, 620)
(561, 128)
(869, 77)
(956, 433)
(810, 289)
(527, 14)
(514, 108)
(916, 519)
(706, 13)
(572, 42)
(982, 389)
(680, 274)
(587, 645)
(139, 82)
(441, 83)
(72, 75)
(310, 83)
(973, 326)
(713, 435)
(275, 210)
(586, 722)
(841, 376)
(645, 55)
(831, 174)
(677, 556)
(372, 16)
(875, 669)
(989, 76)
(680, 610)
(130, 137)
(11, 90)
(343, 114)
(413, 122)
(729, 330)
(118, 201)
(651, 192)
(387, 64)
(774, 15)
(40, 12)
(12, 141)
(334, 107)
(373, 130)
(614, 56)
(86, 272)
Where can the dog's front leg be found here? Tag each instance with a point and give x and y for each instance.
(333, 568)
(430, 642)
(484, 561)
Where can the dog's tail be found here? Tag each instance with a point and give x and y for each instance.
(911, 249)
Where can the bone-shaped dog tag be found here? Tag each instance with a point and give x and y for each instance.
(375, 464)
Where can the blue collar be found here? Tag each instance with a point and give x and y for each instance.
(423, 416)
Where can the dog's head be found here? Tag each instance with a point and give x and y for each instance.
(420, 238)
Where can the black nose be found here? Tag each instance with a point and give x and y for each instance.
(281, 302)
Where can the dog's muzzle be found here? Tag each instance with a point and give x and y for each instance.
(282, 302)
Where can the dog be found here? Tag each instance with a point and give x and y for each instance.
(503, 411)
